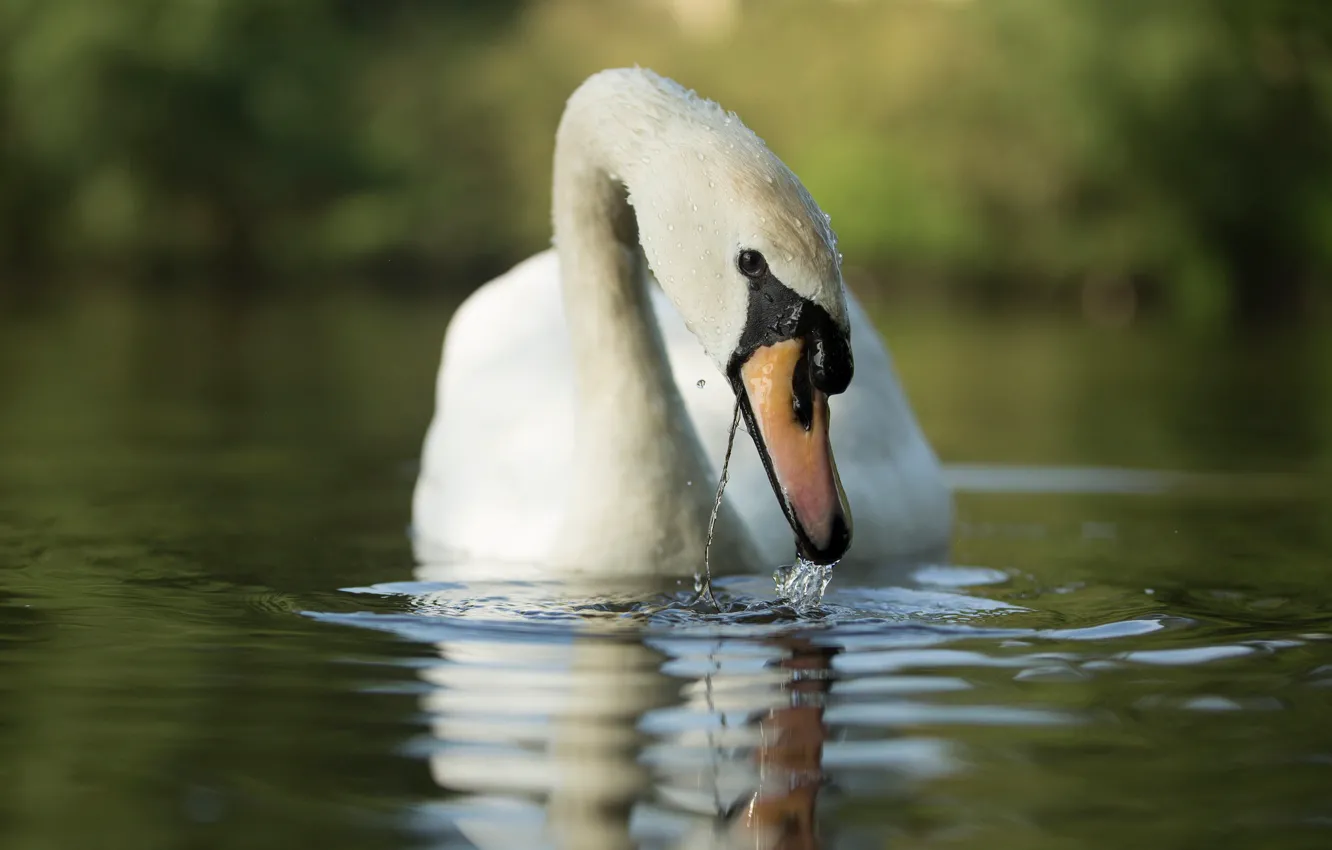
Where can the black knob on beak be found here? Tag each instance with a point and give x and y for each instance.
(831, 364)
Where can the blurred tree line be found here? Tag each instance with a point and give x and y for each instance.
(1172, 154)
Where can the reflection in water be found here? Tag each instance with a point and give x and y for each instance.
(600, 742)
(562, 718)
(780, 812)
(567, 725)
(539, 742)
(744, 751)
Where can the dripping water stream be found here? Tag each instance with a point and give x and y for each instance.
(801, 584)
(703, 583)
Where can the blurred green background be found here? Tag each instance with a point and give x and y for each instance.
(230, 235)
(1115, 159)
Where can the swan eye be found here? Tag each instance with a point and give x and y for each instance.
(752, 264)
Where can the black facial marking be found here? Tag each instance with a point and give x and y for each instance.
(830, 365)
(802, 391)
(775, 314)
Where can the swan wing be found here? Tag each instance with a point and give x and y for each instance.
(498, 453)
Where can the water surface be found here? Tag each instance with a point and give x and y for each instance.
(212, 633)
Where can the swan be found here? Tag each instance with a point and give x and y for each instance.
(585, 397)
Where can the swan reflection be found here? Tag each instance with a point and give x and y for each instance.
(779, 787)
(604, 741)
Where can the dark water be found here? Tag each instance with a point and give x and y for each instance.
(212, 633)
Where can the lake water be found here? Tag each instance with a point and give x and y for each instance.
(212, 633)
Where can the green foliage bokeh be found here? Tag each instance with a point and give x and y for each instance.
(1020, 149)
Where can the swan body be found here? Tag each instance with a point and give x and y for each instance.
(584, 397)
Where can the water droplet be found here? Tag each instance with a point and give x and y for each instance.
(771, 179)
(679, 245)
(711, 185)
(646, 161)
(694, 207)
(689, 484)
(839, 257)
(701, 383)
(789, 257)
(670, 227)
(700, 157)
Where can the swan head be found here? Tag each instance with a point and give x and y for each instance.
(751, 264)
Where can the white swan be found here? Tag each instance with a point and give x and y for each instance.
(584, 397)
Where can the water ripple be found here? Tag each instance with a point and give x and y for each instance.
(544, 700)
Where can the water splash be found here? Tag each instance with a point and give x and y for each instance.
(802, 584)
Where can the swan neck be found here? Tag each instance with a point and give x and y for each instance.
(620, 360)
(643, 477)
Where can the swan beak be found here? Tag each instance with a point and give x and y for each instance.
(788, 418)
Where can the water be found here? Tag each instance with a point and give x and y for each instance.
(703, 582)
(802, 584)
(212, 634)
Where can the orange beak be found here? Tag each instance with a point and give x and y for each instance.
(788, 419)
